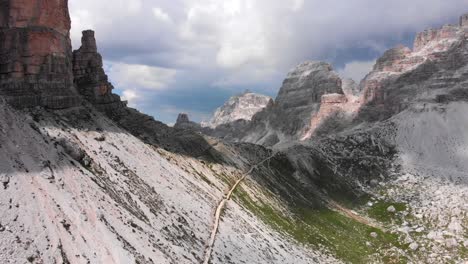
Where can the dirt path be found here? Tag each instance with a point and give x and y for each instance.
(353, 215)
(219, 210)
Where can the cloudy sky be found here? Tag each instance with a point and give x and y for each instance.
(171, 56)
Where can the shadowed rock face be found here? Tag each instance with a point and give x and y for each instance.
(90, 78)
(297, 102)
(305, 85)
(300, 96)
(93, 84)
(35, 54)
(183, 122)
(435, 68)
(182, 118)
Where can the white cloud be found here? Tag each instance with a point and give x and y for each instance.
(297, 5)
(235, 31)
(242, 44)
(131, 97)
(246, 77)
(141, 76)
(134, 6)
(357, 70)
(161, 15)
(82, 20)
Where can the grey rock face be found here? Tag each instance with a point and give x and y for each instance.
(305, 85)
(183, 122)
(297, 102)
(434, 71)
(430, 35)
(464, 20)
(241, 107)
(182, 118)
(90, 78)
(350, 88)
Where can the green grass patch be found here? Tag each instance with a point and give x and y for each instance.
(343, 236)
(379, 211)
(463, 252)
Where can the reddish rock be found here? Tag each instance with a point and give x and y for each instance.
(335, 107)
(434, 35)
(334, 99)
(51, 14)
(35, 54)
(401, 75)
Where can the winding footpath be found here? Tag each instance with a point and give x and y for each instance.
(221, 205)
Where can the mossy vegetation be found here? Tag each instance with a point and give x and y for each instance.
(463, 252)
(379, 211)
(346, 238)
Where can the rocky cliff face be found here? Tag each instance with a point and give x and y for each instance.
(298, 101)
(90, 78)
(434, 69)
(241, 107)
(35, 60)
(183, 122)
(299, 98)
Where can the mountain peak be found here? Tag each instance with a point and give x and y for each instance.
(241, 107)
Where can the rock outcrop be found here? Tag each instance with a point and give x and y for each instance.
(434, 70)
(93, 84)
(464, 20)
(351, 89)
(35, 54)
(240, 107)
(299, 98)
(183, 122)
(90, 78)
(298, 101)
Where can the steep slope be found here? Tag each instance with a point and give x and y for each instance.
(81, 191)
